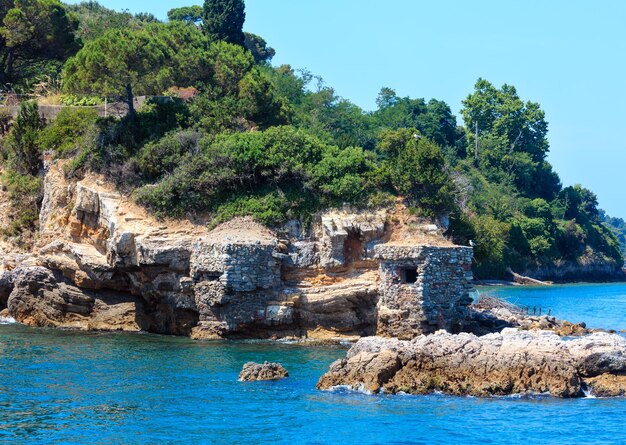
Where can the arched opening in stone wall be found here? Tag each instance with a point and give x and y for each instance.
(353, 248)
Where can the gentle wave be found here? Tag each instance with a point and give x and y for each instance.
(7, 320)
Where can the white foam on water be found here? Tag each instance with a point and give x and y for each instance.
(343, 388)
(7, 320)
(588, 392)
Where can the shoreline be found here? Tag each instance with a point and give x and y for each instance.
(496, 282)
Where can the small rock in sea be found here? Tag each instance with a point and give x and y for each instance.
(253, 372)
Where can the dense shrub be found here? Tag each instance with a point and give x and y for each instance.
(25, 195)
(22, 149)
(69, 131)
(161, 157)
(272, 175)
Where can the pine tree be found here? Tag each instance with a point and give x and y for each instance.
(223, 20)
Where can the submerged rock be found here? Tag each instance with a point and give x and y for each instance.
(510, 362)
(253, 372)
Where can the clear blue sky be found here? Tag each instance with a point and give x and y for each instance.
(567, 55)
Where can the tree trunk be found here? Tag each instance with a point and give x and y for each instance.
(9, 66)
(130, 100)
(3, 71)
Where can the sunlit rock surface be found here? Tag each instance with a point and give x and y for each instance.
(510, 362)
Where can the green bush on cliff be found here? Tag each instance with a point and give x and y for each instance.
(24, 195)
(252, 173)
(22, 147)
(69, 131)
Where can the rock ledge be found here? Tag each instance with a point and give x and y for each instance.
(510, 362)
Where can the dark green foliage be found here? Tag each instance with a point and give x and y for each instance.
(162, 157)
(418, 171)
(22, 146)
(618, 227)
(161, 115)
(342, 174)
(274, 175)
(258, 47)
(491, 252)
(433, 119)
(6, 120)
(223, 20)
(25, 196)
(518, 126)
(36, 37)
(150, 60)
(241, 96)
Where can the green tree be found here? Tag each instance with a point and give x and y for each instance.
(433, 119)
(68, 131)
(34, 33)
(146, 61)
(188, 14)
(500, 112)
(22, 144)
(96, 20)
(418, 171)
(224, 19)
(258, 47)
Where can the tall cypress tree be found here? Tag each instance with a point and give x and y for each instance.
(223, 20)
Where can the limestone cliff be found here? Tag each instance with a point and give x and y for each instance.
(102, 262)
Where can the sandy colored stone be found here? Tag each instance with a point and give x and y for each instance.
(607, 385)
(511, 362)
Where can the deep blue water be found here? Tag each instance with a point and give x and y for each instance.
(64, 387)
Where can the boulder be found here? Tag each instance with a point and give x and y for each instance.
(606, 385)
(253, 372)
(510, 362)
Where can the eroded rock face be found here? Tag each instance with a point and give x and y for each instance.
(41, 298)
(99, 253)
(511, 362)
(6, 287)
(253, 372)
(606, 385)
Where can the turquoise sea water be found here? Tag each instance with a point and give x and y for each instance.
(77, 388)
(598, 305)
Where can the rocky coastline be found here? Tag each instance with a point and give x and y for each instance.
(386, 278)
(101, 262)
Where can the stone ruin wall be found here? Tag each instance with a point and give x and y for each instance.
(438, 297)
(233, 284)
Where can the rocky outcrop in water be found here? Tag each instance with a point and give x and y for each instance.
(102, 262)
(253, 372)
(510, 362)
